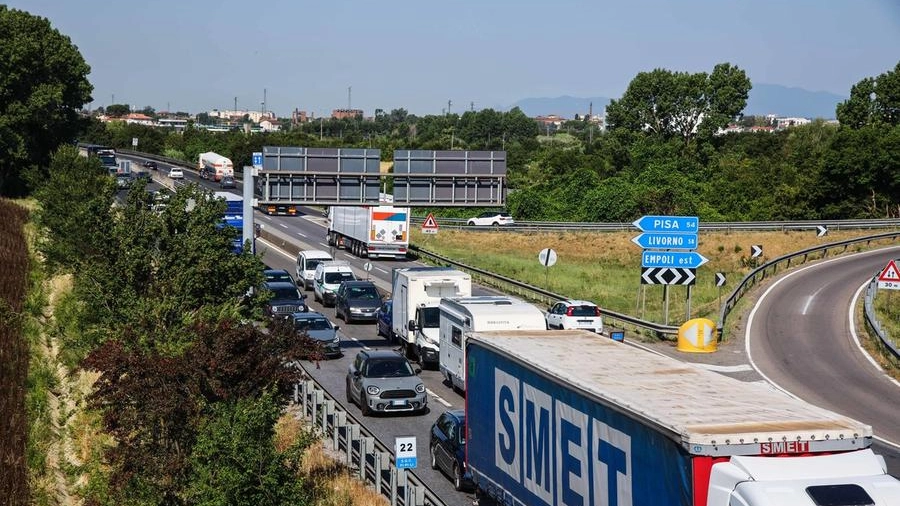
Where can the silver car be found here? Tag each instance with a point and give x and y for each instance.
(317, 327)
(384, 381)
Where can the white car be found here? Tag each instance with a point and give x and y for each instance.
(574, 314)
(491, 218)
(176, 173)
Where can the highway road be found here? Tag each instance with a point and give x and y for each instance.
(822, 367)
(801, 336)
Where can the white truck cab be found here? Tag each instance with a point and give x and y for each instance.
(307, 260)
(460, 316)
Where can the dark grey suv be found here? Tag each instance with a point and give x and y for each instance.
(357, 301)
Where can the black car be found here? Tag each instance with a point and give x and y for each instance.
(284, 300)
(278, 275)
(357, 300)
(150, 164)
(207, 173)
(227, 182)
(319, 328)
(448, 447)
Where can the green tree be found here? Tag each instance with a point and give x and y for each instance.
(235, 462)
(75, 202)
(118, 110)
(873, 100)
(43, 86)
(679, 104)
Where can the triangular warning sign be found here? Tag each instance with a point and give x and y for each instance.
(890, 273)
(430, 222)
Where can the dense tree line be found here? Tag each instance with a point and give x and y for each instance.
(160, 309)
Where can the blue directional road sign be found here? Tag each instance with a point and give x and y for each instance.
(678, 240)
(690, 259)
(258, 159)
(668, 224)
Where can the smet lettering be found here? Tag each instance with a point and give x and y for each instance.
(776, 448)
(533, 430)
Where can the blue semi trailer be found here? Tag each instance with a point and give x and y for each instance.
(569, 418)
(234, 216)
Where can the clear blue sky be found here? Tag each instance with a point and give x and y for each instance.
(198, 55)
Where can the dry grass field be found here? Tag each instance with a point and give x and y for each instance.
(605, 267)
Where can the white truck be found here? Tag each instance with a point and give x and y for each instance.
(564, 417)
(415, 295)
(214, 166)
(461, 316)
(380, 231)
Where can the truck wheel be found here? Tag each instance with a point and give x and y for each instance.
(458, 484)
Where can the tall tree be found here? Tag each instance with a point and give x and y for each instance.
(43, 85)
(873, 100)
(679, 104)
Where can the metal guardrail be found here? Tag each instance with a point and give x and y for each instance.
(549, 226)
(363, 453)
(771, 267)
(534, 293)
(873, 322)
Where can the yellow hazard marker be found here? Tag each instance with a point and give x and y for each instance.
(697, 336)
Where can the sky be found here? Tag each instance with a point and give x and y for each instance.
(199, 55)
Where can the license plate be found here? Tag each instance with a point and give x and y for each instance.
(585, 321)
(398, 403)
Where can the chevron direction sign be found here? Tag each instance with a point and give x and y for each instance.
(688, 259)
(668, 276)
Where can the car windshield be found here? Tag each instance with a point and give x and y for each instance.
(388, 368)
(363, 293)
(338, 277)
(312, 324)
(285, 293)
(312, 263)
(279, 276)
(583, 311)
(108, 160)
(461, 435)
(430, 317)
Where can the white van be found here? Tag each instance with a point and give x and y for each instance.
(307, 260)
(328, 278)
(460, 316)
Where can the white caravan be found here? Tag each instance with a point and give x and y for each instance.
(416, 292)
(459, 317)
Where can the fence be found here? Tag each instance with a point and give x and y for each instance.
(872, 320)
(367, 456)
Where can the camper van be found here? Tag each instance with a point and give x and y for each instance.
(460, 316)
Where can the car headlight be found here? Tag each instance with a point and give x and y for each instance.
(420, 388)
(372, 390)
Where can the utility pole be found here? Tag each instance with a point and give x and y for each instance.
(591, 123)
(472, 106)
(264, 101)
(320, 127)
(449, 103)
(349, 97)
(235, 105)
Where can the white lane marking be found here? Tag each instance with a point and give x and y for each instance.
(300, 234)
(438, 398)
(282, 225)
(355, 340)
(809, 301)
(726, 368)
(379, 269)
(265, 217)
(759, 302)
(323, 244)
(348, 255)
(276, 248)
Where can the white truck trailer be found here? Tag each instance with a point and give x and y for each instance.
(461, 316)
(564, 417)
(214, 166)
(415, 295)
(380, 231)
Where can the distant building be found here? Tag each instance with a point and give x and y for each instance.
(346, 114)
(782, 123)
(269, 125)
(137, 118)
(550, 123)
(254, 116)
(298, 117)
(176, 123)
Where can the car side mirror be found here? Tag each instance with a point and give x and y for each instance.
(417, 370)
(337, 327)
(411, 326)
(356, 374)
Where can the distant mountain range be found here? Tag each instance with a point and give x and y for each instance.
(764, 99)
